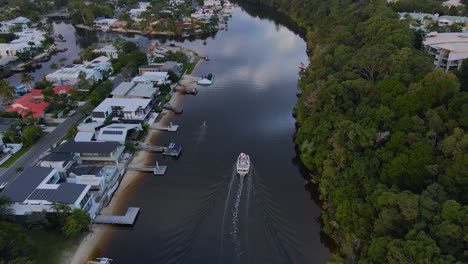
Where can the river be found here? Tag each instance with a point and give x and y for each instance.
(201, 211)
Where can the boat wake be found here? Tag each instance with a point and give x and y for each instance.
(242, 193)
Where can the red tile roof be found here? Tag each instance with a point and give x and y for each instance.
(36, 92)
(63, 89)
(31, 103)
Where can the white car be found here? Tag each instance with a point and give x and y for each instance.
(72, 112)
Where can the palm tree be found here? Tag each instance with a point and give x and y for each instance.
(7, 91)
(27, 79)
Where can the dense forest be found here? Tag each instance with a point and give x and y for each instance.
(383, 134)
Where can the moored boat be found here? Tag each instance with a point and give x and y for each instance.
(243, 164)
(302, 66)
(206, 80)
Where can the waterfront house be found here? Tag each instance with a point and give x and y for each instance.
(156, 78)
(6, 26)
(448, 49)
(109, 50)
(135, 90)
(122, 109)
(92, 152)
(104, 23)
(37, 188)
(452, 3)
(118, 132)
(69, 75)
(162, 67)
(136, 12)
(212, 3)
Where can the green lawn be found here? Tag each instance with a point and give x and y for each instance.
(51, 245)
(15, 156)
(188, 67)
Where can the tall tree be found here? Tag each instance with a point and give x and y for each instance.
(7, 91)
(27, 79)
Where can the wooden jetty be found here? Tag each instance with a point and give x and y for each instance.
(170, 128)
(173, 149)
(156, 170)
(127, 219)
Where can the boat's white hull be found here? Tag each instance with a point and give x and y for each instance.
(243, 164)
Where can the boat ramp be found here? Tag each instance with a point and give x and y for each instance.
(127, 219)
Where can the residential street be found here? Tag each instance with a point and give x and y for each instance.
(31, 157)
(35, 152)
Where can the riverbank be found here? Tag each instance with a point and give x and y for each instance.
(146, 33)
(90, 246)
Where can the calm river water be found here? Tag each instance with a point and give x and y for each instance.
(201, 212)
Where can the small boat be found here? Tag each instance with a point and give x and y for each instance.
(302, 66)
(206, 80)
(243, 164)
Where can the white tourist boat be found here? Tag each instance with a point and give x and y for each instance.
(243, 164)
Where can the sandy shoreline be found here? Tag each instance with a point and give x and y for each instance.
(89, 247)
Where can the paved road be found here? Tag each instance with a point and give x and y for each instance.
(32, 156)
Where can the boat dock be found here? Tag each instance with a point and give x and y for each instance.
(127, 219)
(173, 149)
(156, 170)
(170, 128)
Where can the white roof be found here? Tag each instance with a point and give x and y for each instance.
(441, 38)
(106, 20)
(84, 136)
(116, 132)
(151, 77)
(128, 104)
(19, 20)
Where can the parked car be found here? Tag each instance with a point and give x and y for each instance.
(42, 126)
(72, 112)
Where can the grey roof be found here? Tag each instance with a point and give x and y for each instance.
(123, 88)
(67, 193)
(26, 183)
(41, 194)
(87, 147)
(85, 170)
(59, 157)
(170, 64)
(143, 90)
